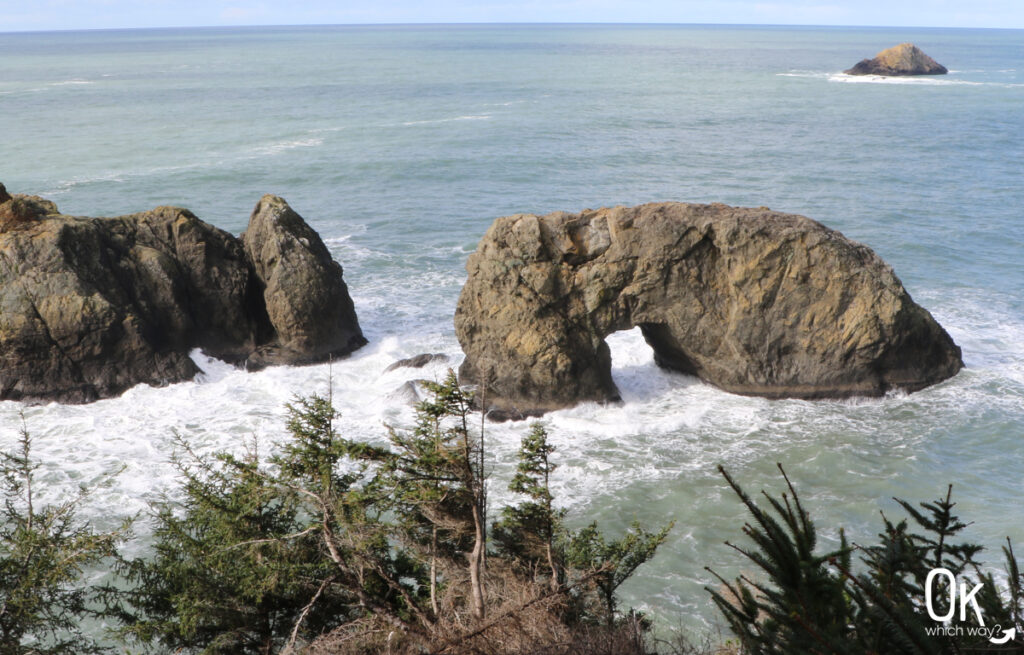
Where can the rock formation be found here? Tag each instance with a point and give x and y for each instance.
(904, 59)
(305, 296)
(410, 393)
(418, 361)
(752, 301)
(92, 306)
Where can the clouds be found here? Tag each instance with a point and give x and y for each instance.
(17, 15)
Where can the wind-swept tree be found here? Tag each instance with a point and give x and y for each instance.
(528, 531)
(44, 552)
(436, 477)
(616, 560)
(234, 563)
(348, 546)
(805, 601)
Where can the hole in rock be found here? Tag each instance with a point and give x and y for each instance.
(634, 370)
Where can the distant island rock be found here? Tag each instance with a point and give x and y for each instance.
(902, 60)
(92, 306)
(752, 301)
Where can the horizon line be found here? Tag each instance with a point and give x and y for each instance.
(499, 23)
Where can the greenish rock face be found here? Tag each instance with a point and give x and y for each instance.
(306, 299)
(752, 301)
(92, 306)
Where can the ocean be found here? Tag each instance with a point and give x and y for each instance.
(402, 144)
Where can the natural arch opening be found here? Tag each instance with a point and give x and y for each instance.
(668, 353)
(634, 357)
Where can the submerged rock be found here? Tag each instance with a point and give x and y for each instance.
(417, 361)
(752, 301)
(904, 59)
(92, 306)
(410, 393)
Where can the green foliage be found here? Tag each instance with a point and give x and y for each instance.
(314, 451)
(333, 541)
(802, 605)
(528, 532)
(614, 561)
(436, 485)
(263, 556)
(533, 534)
(43, 552)
(234, 564)
(434, 473)
(806, 602)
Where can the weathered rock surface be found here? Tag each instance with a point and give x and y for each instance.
(92, 306)
(304, 293)
(904, 59)
(752, 301)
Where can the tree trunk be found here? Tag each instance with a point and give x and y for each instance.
(554, 569)
(476, 559)
(433, 573)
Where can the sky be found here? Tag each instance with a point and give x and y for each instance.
(22, 15)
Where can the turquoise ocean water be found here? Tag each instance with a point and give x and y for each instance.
(402, 144)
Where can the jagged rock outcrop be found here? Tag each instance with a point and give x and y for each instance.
(92, 306)
(304, 293)
(904, 59)
(752, 301)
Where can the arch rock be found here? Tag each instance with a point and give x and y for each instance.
(752, 301)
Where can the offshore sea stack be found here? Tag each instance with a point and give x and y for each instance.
(752, 301)
(304, 294)
(902, 60)
(92, 306)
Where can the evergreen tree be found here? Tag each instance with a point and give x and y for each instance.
(341, 494)
(612, 561)
(43, 553)
(356, 542)
(436, 480)
(532, 533)
(801, 606)
(234, 564)
(261, 558)
(808, 602)
(528, 531)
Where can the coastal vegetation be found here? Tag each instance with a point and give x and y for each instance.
(43, 552)
(879, 597)
(337, 545)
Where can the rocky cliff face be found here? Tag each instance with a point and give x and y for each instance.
(904, 59)
(92, 306)
(752, 301)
